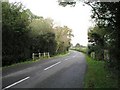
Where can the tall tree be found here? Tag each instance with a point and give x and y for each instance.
(63, 38)
(77, 45)
(15, 28)
(24, 33)
(42, 36)
(106, 14)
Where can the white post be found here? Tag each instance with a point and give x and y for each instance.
(48, 55)
(33, 56)
(39, 55)
(44, 54)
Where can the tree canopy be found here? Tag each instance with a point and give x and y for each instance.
(105, 35)
(24, 33)
(106, 15)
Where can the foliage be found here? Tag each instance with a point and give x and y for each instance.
(42, 36)
(63, 38)
(24, 33)
(106, 15)
(77, 45)
(97, 38)
(64, 3)
(15, 22)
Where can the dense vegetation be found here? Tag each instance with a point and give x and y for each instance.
(24, 33)
(104, 36)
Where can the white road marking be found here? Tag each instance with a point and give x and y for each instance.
(16, 83)
(52, 66)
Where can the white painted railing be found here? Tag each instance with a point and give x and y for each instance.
(39, 55)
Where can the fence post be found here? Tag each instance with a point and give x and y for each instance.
(33, 56)
(44, 54)
(39, 55)
(48, 55)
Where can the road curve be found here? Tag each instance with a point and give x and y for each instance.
(60, 72)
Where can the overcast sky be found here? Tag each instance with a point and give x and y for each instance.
(77, 18)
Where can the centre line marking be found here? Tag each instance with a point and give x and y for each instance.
(52, 66)
(16, 83)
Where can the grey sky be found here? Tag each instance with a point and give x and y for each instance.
(77, 18)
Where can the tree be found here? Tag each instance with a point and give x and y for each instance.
(106, 14)
(77, 45)
(97, 38)
(15, 28)
(42, 36)
(24, 33)
(63, 38)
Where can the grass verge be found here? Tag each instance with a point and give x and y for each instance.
(83, 50)
(98, 76)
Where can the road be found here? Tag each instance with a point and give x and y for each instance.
(58, 72)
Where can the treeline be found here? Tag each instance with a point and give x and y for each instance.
(24, 33)
(79, 48)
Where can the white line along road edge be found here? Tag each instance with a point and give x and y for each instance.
(16, 83)
(52, 66)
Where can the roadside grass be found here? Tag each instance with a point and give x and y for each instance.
(83, 50)
(28, 61)
(61, 54)
(98, 76)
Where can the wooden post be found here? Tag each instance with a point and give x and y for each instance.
(44, 54)
(48, 55)
(33, 56)
(39, 55)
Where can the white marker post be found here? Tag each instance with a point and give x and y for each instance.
(48, 55)
(33, 56)
(44, 54)
(39, 55)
